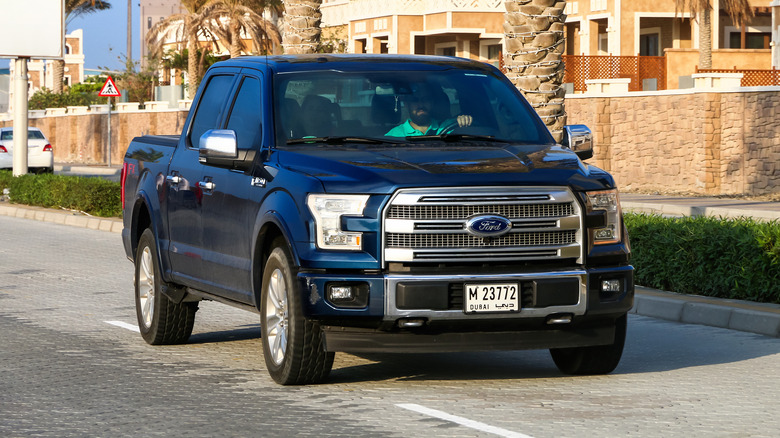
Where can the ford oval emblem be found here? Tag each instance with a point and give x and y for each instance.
(488, 225)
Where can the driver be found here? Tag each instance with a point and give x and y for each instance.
(421, 122)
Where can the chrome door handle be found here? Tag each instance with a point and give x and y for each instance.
(173, 179)
(206, 185)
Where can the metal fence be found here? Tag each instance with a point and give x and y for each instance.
(750, 78)
(580, 68)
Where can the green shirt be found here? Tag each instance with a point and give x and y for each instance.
(406, 130)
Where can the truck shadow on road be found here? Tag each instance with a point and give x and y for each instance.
(243, 333)
(652, 346)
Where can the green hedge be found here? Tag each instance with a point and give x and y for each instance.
(94, 196)
(725, 258)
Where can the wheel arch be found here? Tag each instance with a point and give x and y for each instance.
(273, 228)
(143, 218)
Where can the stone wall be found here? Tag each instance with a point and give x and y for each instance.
(687, 141)
(83, 138)
(704, 142)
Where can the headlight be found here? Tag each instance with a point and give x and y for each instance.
(607, 201)
(327, 211)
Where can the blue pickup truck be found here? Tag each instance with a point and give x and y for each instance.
(377, 203)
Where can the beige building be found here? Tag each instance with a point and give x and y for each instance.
(153, 11)
(649, 27)
(474, 29)
(468, 29)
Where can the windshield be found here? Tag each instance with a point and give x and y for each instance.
(31, 134)
(402, 106)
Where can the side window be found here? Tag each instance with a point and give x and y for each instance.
(246, 117)
(210, 107)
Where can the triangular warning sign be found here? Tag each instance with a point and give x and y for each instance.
(109, 89)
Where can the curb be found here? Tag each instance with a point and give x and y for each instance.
(64, 217)
(745, 316)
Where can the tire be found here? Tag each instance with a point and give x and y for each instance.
(160, 320)
(293, 347)
(601, 359)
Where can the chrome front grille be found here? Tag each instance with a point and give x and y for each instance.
(429, 212)
(462, 240)
(429, 225)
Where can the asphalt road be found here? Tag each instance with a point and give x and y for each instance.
(71, 364)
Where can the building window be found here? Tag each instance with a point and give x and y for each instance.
(360, 46)
(753, 40)
(494, 52)
(649, 44)
(603, 44)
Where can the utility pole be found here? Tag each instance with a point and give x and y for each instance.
(20, 116)
(129, 30)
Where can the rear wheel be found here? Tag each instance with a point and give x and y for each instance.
(292, 346)
(601, 359)
(160, 320)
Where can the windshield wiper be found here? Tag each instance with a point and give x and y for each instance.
(340, 140)
(456, 137)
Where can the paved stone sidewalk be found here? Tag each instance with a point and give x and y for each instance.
(732, 314)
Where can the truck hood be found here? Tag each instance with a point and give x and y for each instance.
(382, 169)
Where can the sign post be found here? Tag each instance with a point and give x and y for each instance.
(109, 89)
(44, 40)
(20, 117)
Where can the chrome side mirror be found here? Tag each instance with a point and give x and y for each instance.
(218, 144)
(579, 139)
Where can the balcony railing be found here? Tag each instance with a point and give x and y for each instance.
(750, 78)
(580, 68)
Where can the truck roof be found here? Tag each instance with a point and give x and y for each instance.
(355, 62)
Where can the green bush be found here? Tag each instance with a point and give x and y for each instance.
(725, 258)
(94, 196)
(75, 96)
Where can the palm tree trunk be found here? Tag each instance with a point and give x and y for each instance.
(533, 45)
(301, 26)
(235, 42)
(705, 39)
(192, 68)
(58, 75)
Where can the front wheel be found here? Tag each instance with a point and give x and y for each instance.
(601, 359)
(160, 320)
(292, 346)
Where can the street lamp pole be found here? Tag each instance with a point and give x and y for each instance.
(20, 116)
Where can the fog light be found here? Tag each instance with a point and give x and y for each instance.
(340, 293)
(613, 285)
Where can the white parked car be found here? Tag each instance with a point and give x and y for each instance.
(40, 156)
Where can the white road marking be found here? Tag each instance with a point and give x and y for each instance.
(482, 427)
(124, 325)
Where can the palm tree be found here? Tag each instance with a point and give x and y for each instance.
(739, 11)
(73, 9)
(533, 44)
(185, 28)
(301, 26)
(239, 19)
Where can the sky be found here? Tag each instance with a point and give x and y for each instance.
(105, 36)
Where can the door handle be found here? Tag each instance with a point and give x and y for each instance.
(206, 185)
(173, 179)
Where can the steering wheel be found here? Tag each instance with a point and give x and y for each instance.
(451, 127)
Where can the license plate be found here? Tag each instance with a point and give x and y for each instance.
(492, 297)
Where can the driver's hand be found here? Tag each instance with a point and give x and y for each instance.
(464, 120)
